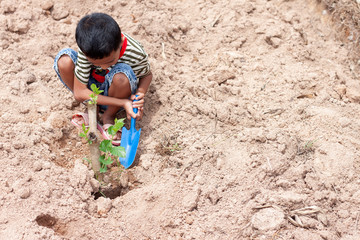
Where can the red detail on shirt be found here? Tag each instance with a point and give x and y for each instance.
(101, 78)
(98, 77)
(123, 47)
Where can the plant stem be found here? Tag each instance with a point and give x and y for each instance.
(93, 136)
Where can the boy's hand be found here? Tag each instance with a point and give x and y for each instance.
(139, 104)
(129, 110)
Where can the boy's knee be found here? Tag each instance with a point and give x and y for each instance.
(120, 80)
(120, 86)
(65, 63)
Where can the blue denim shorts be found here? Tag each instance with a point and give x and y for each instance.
(118, 68)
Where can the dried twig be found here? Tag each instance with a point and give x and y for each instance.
(163, 51)
(216, 21)
(268, 161)
(294, 216)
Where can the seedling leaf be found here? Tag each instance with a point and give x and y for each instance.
(95, 89)
(105, 146)
(108, 161)
(111, 131)
(94, 95)
(103, 169)
(102, 159)
(118, 151)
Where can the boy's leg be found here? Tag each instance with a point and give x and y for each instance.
(64, 65)
(119, 88)
(66, 71)
(122, 83)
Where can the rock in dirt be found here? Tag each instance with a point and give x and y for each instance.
(59, 12)
(19, 145)
(8, 6)
(103, 205)
(353, 91)
(17, 25)
(95, 184)
(47, 5)
(191, 200)
(214, 197)
(221, 77)
(37, 166)
(189, 220)
(24, 193)
(26, 77)
(24, 109)
(268, 219)
(124, 179)
(219, 163)
(273, 41)
(46, 165)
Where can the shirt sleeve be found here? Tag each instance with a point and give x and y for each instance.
(82, 68)
(136, 57)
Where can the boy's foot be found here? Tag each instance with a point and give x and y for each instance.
(78, 119)
(117, 138)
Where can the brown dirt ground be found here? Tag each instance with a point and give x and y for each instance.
(250, 128)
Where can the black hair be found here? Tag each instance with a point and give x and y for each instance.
(97, 35)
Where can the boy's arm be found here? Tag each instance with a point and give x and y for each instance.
(82, 93)
(144, 83)
(143, 87)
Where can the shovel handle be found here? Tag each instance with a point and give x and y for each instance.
(133, 120)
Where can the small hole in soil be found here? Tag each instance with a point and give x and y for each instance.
(118, 183)
(111, 193)
(46, 220)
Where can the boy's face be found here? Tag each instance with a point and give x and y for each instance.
(108, 61)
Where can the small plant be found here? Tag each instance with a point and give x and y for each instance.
(94, 95)
(309, 145)
(84, 133)
(173, 148)
(109, 151)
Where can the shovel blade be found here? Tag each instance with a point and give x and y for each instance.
(130, 141)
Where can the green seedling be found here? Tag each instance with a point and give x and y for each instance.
(84, 133)
(109, 151)
(309, 144)
(94, 95)
(307, 147)
(174, 148)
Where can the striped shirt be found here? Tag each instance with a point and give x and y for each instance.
(134, 56)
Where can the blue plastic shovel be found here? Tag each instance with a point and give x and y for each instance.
(130, 141)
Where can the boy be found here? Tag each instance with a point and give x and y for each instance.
(112, 60)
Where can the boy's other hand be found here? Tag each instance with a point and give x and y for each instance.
(129, 110)
(139, 104)
(139, 95)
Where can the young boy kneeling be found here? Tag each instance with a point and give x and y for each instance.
(113, 61)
